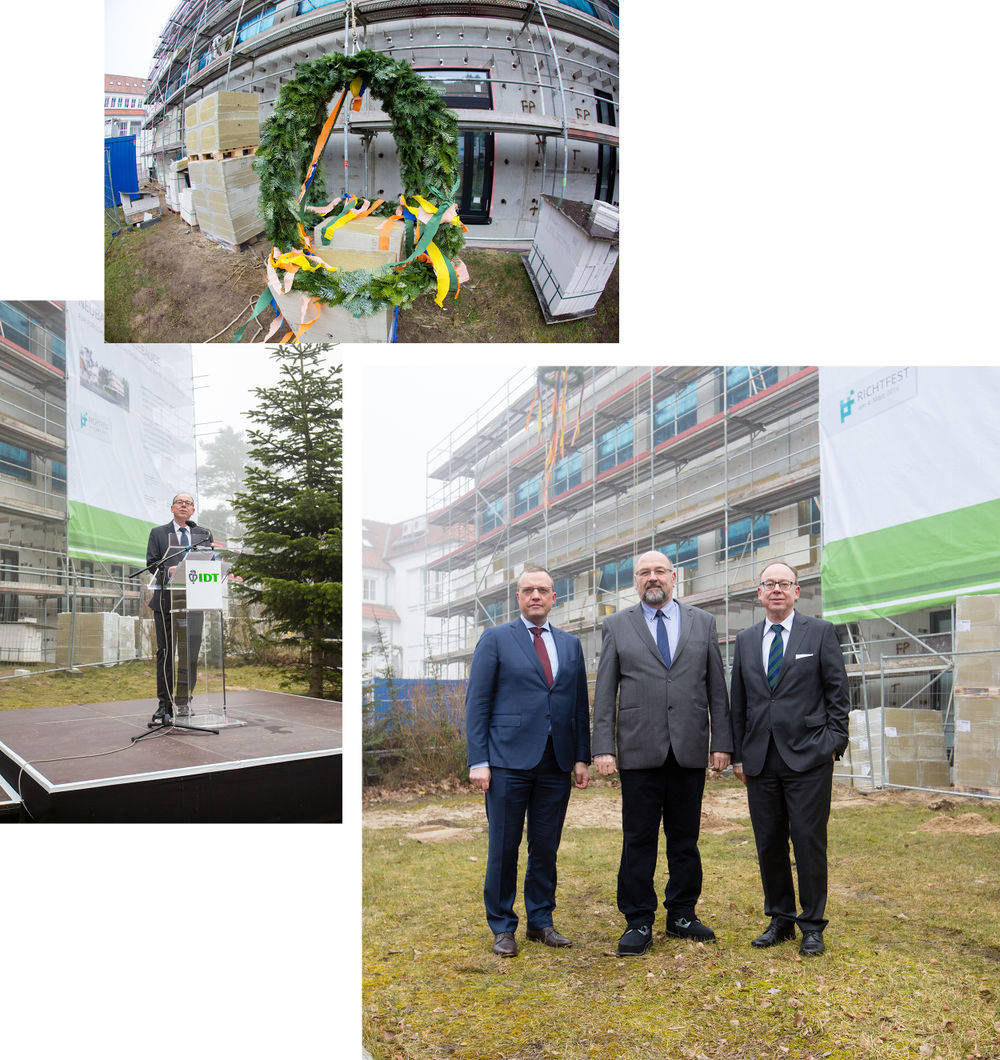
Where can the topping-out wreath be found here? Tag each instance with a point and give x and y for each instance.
(293, 195)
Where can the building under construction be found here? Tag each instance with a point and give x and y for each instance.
(38, 579)
(534, 85)
(581, 470)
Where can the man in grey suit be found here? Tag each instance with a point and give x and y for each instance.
(660, 710)
(790, 706)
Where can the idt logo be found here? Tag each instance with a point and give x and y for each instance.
(846, 407)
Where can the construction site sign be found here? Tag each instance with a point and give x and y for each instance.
(129, 437)
(910, 493)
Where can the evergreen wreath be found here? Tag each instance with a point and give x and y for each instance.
(426, 135)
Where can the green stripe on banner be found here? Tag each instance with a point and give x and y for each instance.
(927, 562)
(107, 536)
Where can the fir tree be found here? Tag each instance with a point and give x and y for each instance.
(290, 505)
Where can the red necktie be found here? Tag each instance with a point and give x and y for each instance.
(542, 653)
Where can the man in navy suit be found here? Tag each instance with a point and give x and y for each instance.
(790, 704)
(527, 721)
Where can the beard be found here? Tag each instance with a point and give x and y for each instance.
(654, 595)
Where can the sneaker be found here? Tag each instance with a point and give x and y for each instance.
(689, 927)
(635, 941)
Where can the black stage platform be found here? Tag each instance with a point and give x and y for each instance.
(78, 763)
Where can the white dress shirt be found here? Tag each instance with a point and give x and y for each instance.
(786, 629)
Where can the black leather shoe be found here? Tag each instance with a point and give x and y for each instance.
(777, 931)
(812, 944)
(161, 717)
(549, 936)
(504, 944)
(689, 927)
(635, 941)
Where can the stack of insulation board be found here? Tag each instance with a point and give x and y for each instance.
(221, 132)
(221, 123)
(20, 641)
(224, 195)
(128, 633)
(146, 638)
(176, 183)
(977, 693)
(914, 743)
(365, 243)
(95, 638)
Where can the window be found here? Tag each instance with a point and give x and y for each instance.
(15, 325)
(607, 156)
(491, 516)
(58, 477)
(748, 535)
(743, 382)
(250, 27)
(8, 573)
(14, 461)
(684, 554)
(616, 575)
(614, 446)
(675, 413)
(563, 589)
(526, 495)
(470, 90)
(305, 6)
(368, 590)
(495, 612)
(567, 474)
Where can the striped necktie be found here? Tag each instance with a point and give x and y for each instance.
(774, 656)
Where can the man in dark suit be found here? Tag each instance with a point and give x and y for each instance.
(161, 545)
(660, 705)
(790, 705)
(527, 721)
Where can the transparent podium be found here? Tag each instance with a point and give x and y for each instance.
(198, 607)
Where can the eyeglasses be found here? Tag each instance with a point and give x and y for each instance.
(783, 586)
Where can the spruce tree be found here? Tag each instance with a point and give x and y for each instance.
(290, 507)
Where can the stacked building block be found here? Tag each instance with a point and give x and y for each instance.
(977, 693)
(571, 258)
(221, 122)
(915, 753)
(355, 245)
(95, 638)
(221, 132)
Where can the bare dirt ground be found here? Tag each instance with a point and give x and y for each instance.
(724, 809)
(187, 288)
(170, 283)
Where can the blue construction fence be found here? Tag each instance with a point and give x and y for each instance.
(381, 692)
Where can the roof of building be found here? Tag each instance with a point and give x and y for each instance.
(378, 611)
(125, 83)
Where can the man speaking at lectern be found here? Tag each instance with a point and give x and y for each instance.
(171, 540)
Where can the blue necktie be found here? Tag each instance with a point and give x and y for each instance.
(774, 656)
(182, 536)
(661, 637)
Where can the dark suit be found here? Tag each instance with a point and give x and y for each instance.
(662, 723)
(509, 712)
(786, 739)
(157, 548)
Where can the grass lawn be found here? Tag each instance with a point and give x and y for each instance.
(136, 680)
(912, 967)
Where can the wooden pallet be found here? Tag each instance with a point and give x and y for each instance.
(218, 156)
(234, 247)
(977, 690)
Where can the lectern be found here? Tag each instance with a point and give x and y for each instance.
(198, 605)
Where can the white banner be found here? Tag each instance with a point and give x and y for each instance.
(130, 437)
(910, 491)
